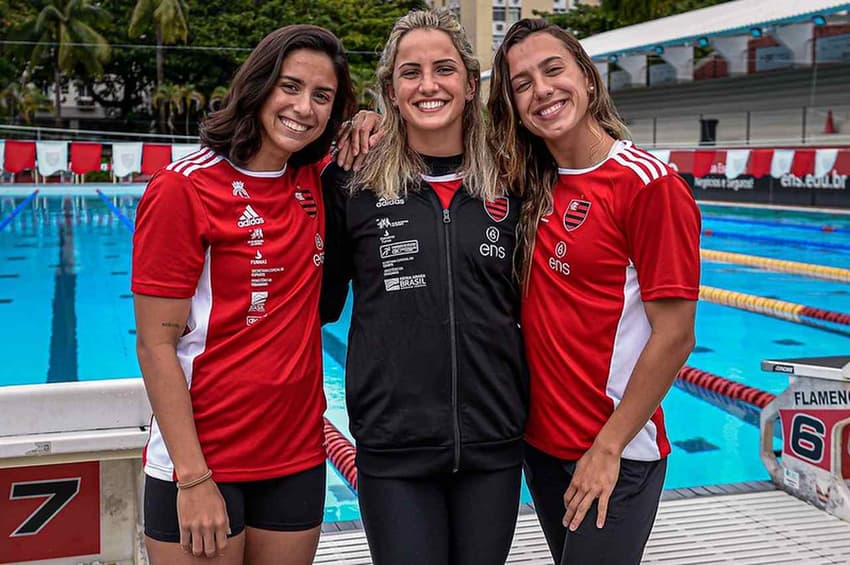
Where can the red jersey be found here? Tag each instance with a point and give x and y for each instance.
(621, 233)
(247, 248)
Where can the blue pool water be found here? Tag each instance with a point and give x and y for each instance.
(67, 312)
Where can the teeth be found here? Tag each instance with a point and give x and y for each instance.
(294, 126)
(551, 109)
(431, 104)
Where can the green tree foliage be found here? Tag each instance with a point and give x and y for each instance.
(219, 35)
(67, 41)
(587, 20)
(169, 20)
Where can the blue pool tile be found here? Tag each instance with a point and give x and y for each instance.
(5, 300)
(10, 276)
(696, 445)
(342, 492)
(701, 349)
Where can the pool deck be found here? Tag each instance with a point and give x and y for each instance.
(745, 524)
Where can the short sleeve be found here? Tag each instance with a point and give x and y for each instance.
(663, 230)
(169, 241)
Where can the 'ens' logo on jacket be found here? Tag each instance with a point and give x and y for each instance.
(497, 209)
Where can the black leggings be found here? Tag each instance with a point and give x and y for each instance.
(631, 510)
(467, 518)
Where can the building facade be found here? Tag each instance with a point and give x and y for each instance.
(487, 22)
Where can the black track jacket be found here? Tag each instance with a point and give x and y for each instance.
(436, 379)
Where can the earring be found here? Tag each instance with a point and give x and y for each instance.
(591, 88)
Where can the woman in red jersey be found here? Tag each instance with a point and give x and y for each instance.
(227, 258)
(611, 278)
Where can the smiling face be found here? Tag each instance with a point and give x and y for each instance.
(298, 108)
(430, 87)
(550, 91)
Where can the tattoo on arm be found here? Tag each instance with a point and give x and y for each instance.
(171, 325)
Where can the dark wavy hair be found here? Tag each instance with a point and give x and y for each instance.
(235, 129)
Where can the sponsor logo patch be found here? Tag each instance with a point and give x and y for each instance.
(497, 209)
(305, 199)
(576, 214)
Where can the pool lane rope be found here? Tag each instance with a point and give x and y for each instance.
(124, 219)
(18, 209)
(827, 228)
(790, 311)
(778, 265)
(775, 240)
(341, 452)
(725, 387)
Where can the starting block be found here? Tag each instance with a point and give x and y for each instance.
(814, 412)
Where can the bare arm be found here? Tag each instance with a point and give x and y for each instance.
(201, 511)
(159, 324)
(669, 344)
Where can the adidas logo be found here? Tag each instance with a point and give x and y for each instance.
(249, 218)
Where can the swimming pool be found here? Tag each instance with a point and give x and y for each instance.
(67, 308)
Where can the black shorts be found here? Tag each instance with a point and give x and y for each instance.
(287, 504)
(631, 510)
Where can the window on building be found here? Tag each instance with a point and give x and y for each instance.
(498, 13)
(514, 14)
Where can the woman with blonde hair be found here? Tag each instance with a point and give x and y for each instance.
(610, 269)
(435, 375)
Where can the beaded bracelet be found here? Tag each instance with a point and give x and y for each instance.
(189, 484)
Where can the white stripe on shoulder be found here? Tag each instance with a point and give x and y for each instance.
(651, 158)
(189, 170)
(641, 162)
(194, 157)
(635, 168)
(208, 155)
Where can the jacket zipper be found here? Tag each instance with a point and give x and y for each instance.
(447, 220)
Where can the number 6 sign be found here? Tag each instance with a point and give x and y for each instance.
(49, 511)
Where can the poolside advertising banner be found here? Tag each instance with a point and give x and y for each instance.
(830, 190)
(49, 511)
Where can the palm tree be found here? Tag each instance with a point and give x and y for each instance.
(32, 100)
(170, 20)
(217, 97)
(364, 85)
(191, 98)
(65, 28)
(168, 101)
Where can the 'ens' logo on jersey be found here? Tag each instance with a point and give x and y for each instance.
(305, 199)
(576, 214)
(498, 208)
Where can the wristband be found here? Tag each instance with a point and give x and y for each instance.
(189, 484)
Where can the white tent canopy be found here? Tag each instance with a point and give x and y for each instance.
(722, 19)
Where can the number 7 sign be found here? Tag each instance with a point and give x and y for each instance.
(49, 511)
